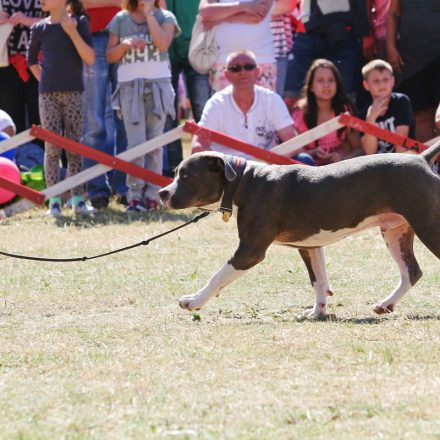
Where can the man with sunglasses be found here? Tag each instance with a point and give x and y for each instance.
(251, 113)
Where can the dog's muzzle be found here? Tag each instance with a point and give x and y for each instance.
(165, 197)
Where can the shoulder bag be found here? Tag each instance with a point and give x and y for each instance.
(203, 48)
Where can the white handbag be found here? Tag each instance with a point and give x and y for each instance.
(5, 31)
(203, 48)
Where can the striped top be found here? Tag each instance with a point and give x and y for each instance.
(282, 34)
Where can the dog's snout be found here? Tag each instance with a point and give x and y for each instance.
(164, 194)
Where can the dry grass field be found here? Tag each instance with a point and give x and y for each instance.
(101, 350)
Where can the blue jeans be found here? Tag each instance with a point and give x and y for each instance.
(199, 91)
(344, 54)
(102, 129)
(281, 74)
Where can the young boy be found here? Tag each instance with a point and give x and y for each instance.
(388, 110)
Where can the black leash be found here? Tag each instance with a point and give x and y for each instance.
(141, 243)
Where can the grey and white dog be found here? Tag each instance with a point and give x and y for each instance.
(311, 207)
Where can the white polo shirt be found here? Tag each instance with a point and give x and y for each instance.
(258, 127)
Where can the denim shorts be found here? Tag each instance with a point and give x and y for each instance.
(345, 54)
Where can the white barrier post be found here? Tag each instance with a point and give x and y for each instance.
(15, 141)
(291, 147)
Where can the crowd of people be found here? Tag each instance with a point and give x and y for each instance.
(109, 74)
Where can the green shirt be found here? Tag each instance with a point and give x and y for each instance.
(185, 11)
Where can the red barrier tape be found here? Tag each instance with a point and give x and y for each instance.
(99, 156)
(21, 190)
(236, 144)
(394, 138)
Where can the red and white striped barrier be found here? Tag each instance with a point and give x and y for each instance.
(15, 141)
(237, 144)
(98, 156)
(22, 190)
(99, 169)
(394, 138)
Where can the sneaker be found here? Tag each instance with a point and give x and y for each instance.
(136, 206)
(99, 202)
(151, 205)
(54, 210)
(84, 209)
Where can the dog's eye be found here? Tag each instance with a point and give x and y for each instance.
(184, 176)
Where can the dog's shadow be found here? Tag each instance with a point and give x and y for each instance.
(291, 316)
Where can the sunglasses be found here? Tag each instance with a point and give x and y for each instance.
(235, 68)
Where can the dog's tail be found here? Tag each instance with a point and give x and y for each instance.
(431, 152)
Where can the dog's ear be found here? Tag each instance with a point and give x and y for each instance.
(222, 164)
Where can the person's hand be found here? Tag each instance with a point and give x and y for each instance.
(395, 59)
(209, 24)
(335, 156)
(259, 8)
(322, 155)
(4, 17)
(201, 141)
(68, 24)
(133, 43)
(377, 108)
(20, 19)
(147, 6)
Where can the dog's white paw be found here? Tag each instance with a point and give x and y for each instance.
(381, 308)
(315, 313)
(191, 302)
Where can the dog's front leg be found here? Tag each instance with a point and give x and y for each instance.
(314, 260)
(220, 279)
(246, 256)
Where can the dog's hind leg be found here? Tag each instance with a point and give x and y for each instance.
(400, 245)
(314, 260)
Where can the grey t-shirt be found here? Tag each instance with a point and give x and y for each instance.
(61, 65)
(149, 62)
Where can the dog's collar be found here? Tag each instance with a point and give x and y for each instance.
(238, 164)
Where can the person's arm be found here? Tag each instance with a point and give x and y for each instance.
(36, 71)
(369, 142)
(162, 35)
(220, 12)
(287, 133)
(32, 53)
(200, 143)
(19, 18)
(402, 130)
(70, 27)
(352, 147)
(284, 7)
(116, 48)
(394, 57)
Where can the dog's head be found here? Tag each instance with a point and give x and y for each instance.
(199, 181)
